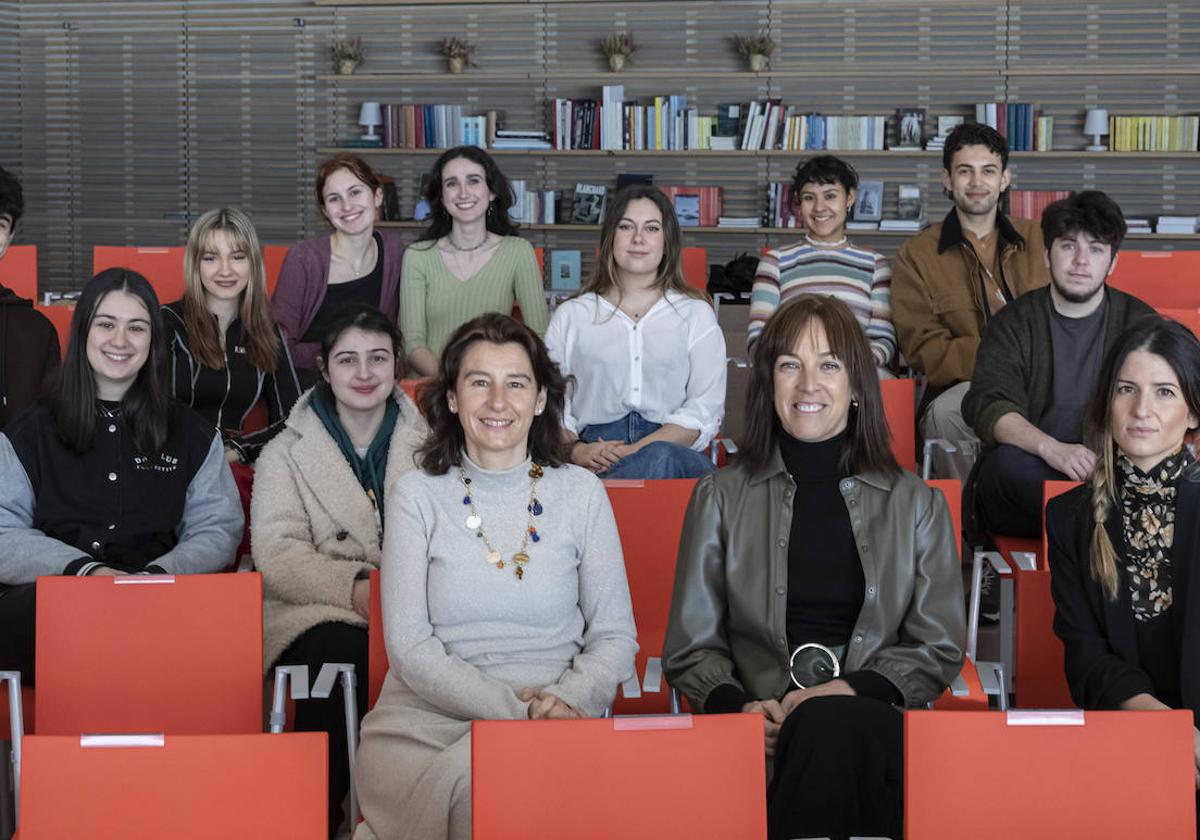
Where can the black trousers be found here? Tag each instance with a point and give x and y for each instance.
(839, 771)
(18, 622)
(1008, 491)
(331, 642)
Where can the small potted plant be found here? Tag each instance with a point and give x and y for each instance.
(347, 54)
(617, 47)
(458, 54)
(756, 49)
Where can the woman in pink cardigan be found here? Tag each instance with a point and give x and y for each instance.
(354, 264)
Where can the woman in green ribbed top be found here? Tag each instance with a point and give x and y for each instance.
(468, 261)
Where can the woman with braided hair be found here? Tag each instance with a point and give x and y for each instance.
(1123, 548)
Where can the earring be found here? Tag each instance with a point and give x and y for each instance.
(853, 402)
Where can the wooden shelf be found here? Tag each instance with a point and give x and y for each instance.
(701, 153)
(754, 231)
(483, 76)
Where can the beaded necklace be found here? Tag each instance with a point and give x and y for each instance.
(475, 522)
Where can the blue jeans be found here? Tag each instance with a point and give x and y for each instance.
(654, 460)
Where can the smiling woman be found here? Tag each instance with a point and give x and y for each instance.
(872, 609)
(111, 477)
(317, 514)
(226, 353)
(353, 264)
(469, 260)
(503, 585)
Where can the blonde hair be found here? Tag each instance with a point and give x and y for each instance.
(258, 329)
(1102, 559)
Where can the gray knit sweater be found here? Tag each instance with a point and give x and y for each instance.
(467, 636)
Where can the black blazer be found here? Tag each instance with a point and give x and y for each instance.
(1100, 636)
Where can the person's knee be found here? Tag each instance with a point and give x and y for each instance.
(672, 460)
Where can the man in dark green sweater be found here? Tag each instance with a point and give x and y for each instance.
(1038, 363)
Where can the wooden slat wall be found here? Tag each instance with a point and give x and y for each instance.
(126, 119)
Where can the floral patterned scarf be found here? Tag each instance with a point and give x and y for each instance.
(1148, 520)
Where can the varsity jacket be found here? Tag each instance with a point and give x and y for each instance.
(61, 512)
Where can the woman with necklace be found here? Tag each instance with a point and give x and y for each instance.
(317, 514)
(226, 352)
(825, 262)
(354, 264)
(469, 260)
(1123, 547)
(644, 349)
(504, 591)
(110, 476)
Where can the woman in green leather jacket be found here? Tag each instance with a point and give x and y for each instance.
(818, 584)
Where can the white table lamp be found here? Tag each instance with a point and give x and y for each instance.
(1096, 125)
(369, 116)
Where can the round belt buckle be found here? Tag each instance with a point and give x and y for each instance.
(819, 665)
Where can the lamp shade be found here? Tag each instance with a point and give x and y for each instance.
(370, 114)
(1096, 122)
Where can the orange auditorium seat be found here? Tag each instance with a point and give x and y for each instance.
(1190, 318)
(695, 268)
(649, 520)
(1005, 775)
(18, 271)
(900, 411)
(183, 787)
(1163, 279)
(377, 661)
(678, 776)
(149, 653)
(163, 267)
(272, 264)
(60, 316)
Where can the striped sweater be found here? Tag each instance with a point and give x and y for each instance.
(858, 277)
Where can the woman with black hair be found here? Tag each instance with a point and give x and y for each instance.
(469, 260)
(317, 513)
(110, 477)
(818, 584)
(1123, 547)
(825, 262)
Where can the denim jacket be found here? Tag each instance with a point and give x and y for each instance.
(729, 606)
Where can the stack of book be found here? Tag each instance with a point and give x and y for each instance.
(1029, 204)
(1138, 225)
(737, 222)
(505, 139)
(769, 125)
(1017, 122)
(1176, 225)
(1154, 134)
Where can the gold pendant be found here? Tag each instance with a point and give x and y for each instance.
(520, 573)
(520, 558)
(494, 558)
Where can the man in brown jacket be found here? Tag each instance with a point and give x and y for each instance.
(949, 280)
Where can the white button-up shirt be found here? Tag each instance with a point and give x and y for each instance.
(669, 366)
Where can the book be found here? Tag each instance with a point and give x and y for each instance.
(909, 206)
(587, 207)
(565, 270)
(687, 209)
(868, 204)
(910, 128)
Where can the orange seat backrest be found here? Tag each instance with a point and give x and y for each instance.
(1190, 318)
(192, 787)
(180, 655)
(60, 316)
(951, 489)
(649, 520)
(18, 271)
(163, 267)
(900, 411)
(1162, 279)
(621, 777)
(377, 661)
(272, 264)
(695, 268)
(1057, 780)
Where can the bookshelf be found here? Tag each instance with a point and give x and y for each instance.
(835, 57)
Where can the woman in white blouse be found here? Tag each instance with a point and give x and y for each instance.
(644, 349)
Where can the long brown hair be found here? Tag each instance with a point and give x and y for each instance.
(443, 446)
(258, 330)
(868, 439)
(1179, 348)
(670, 268)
